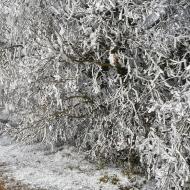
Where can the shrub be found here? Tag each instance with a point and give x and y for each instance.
(109, 77)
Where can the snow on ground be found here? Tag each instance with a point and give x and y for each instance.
(64, 170)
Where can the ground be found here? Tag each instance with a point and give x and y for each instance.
(32, 167)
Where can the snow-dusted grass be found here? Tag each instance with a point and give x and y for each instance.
(63, 170)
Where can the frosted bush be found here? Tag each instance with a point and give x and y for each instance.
(109, 77)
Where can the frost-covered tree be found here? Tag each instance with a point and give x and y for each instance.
(109, 77)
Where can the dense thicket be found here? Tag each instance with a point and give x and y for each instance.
(109, 77)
